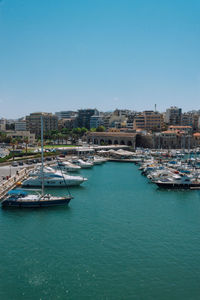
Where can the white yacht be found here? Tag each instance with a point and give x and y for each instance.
(98, 160)
(83, 164)
(66, 166)
(52, 178)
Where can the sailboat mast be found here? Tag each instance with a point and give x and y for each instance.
(42, 152)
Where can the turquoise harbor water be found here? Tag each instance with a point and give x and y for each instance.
(120, 238)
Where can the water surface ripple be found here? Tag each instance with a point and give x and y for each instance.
(120, 238)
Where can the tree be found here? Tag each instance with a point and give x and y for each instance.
(83, 131)
(13, 143)
(100, 129)
(93, 129)
(76, 131)
(26, 142)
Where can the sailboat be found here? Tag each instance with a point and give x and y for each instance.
(20, 198)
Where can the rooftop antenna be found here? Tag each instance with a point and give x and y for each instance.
(155, 107)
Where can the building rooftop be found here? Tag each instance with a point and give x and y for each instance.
(179, 127)
(113, 134)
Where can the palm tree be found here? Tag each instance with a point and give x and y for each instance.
(26, 142)
(13, 143)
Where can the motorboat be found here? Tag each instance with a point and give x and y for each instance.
(83, 164)
(52, 178)
(96, 160)
(66, 166)
(180, 182)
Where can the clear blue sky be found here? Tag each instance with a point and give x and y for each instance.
(70, 54)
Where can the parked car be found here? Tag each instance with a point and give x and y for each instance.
(21, 163)
(14, 164)
(48, 158)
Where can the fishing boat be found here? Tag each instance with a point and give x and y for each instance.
(21, 198)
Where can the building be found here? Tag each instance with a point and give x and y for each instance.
(196, 122)
(153, 120)
(20, 125)
(173, 116)
(196, 139)
(139, 122)
(2, 124)
(23, 135)
(173, 139)
(111, 138)
(96, 121)
(68, 114)
(84, 116)
(106, 119)
(185, 129)
(67, 123)
(130, 121)
(50, 122)
(187, 119)
(148, 120)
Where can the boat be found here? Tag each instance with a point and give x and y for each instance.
(52, 178)
(20, 198)
(96, 160)
(180, 182)
(83, 164)
(66, 166)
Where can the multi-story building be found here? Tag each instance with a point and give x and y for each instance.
(153, 120)
(2, 124)
(129, 121)
(148, 120)
(173, 116)
(139, 122)
(187, 119)
(67, 123)
(106, 119)
(66, 114)
(20, 125)
(50, 122)
(196, 122)
(84, 116)
(23, 135)
(96, 121)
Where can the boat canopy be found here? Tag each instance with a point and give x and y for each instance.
(17, 192)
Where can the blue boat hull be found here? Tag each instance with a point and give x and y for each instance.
(32, 204)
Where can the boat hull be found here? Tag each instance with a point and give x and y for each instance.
(177, 186)
(51, 183)
(32, 204)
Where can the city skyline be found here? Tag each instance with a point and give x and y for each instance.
(101, 111)
(107, 55)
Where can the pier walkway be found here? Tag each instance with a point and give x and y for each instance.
(12, 181)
